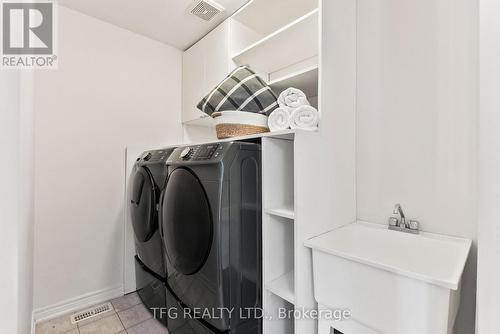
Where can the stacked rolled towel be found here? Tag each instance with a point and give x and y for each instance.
(292, 98)
(279, 119)
(294, 112)
(304, 117)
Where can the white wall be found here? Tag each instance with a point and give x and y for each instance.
(488, 307)
(26, 204)
(112, 88)
(9, 141)
(417, 119)
(16, 202)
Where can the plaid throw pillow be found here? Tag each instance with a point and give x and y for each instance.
(241, 90)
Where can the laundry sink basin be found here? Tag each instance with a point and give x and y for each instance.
(392, 282)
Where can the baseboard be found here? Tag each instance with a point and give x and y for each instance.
(75, 304)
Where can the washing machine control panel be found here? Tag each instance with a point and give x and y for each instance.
(154, 156)
(201, 152)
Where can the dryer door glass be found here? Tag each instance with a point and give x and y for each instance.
(143, 204)
(187, 222)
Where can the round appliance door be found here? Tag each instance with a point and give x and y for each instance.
(143, 204)
(187, 222)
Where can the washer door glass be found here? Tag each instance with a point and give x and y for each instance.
(143, 204)
(187, 222)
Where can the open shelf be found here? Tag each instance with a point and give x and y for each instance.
(305, 79)
(264, 16)
(285, 211)
(283, 287)
(289, 45)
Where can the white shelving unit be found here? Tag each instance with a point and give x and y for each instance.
(308, 178)
(278, 228)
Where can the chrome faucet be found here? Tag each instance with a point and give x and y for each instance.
(399, 210)
(401, 224)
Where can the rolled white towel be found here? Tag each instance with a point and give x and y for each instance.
(304, 117)
(279, 119)
(292, 98)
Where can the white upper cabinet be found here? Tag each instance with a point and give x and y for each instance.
(204, 65)
(193, 73)
(217, 62)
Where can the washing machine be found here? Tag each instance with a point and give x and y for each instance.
(212, 234)
(147, 182)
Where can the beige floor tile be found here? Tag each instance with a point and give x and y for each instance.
(134, 315)
(55, 326)
(126, 301)
(150, 326)
(107, 325)
(73, 331)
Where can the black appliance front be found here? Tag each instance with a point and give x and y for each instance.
(182, 321)
(151, 289)
(147, 181)
(211, 216)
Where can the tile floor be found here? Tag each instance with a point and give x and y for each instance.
(129, 316)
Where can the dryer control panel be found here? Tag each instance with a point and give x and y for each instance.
(152, 157)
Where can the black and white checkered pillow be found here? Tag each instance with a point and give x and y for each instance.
(241, 90)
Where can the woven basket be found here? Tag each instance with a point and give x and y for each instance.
(234, 130)
(233, 124)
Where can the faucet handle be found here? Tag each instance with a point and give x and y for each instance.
(413, 225)
(393, 221)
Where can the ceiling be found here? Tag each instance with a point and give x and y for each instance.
(167, 21)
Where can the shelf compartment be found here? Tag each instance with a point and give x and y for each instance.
(278, 252)
(273, 306)
(264, 16)
(305, 79)
(289, 45)
(283, 287)
(285, 211)
(277, 172)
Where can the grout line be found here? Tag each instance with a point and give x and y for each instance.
(120, 319)
(117, 313)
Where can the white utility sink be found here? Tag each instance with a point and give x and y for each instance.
(392, 282)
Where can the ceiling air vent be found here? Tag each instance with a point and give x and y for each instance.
(206, 9)
(91, 312)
